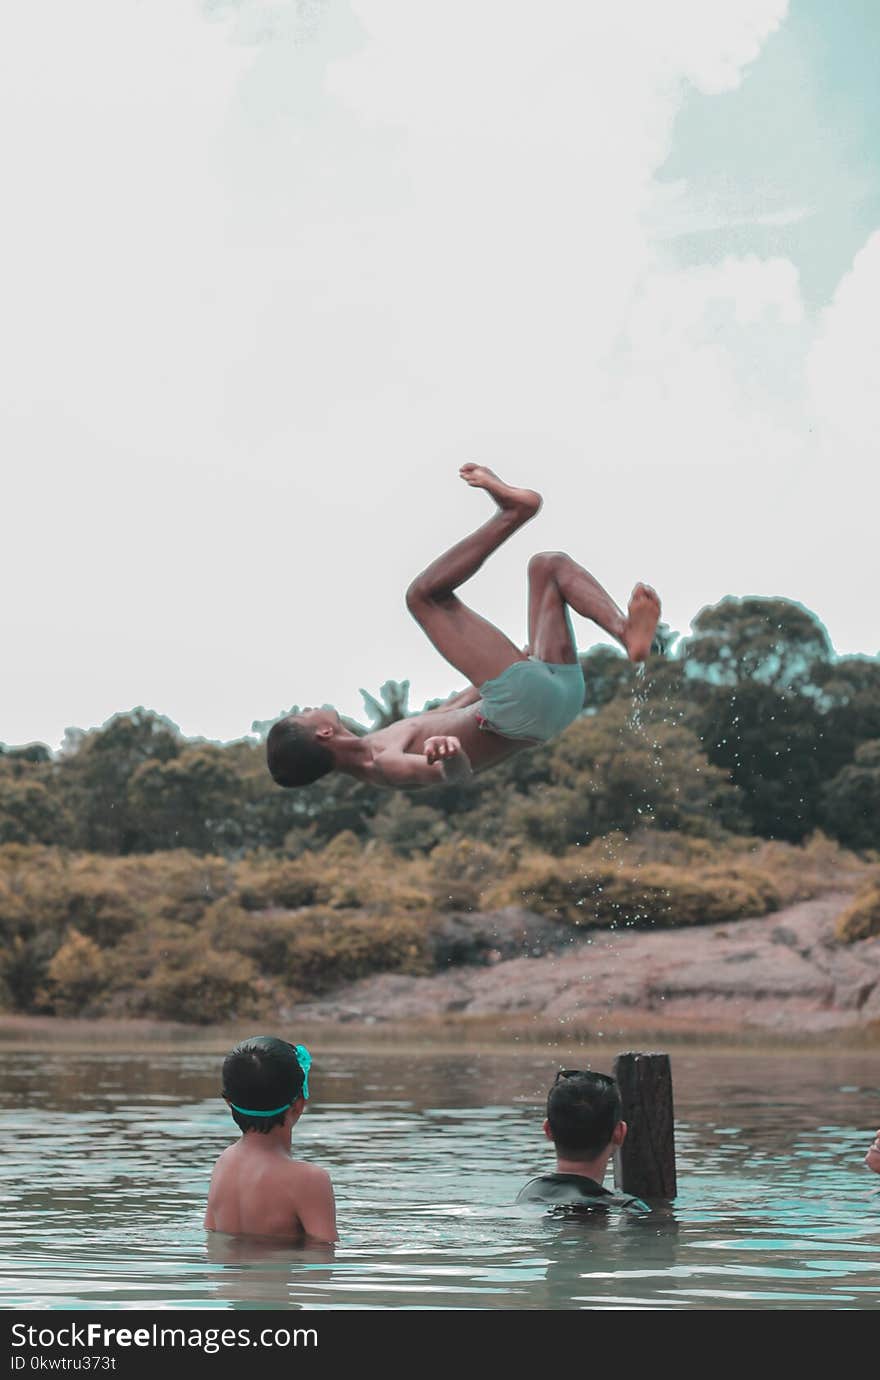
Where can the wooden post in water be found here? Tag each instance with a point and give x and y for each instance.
(645, 1163)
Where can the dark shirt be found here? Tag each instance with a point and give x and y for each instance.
(576, 1191)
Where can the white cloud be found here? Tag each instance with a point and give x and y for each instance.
(677, 211)
(844, 364)
(713, 43)
(274, 270)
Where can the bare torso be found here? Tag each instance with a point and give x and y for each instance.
(483, 747)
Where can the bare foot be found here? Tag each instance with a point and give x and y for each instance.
(526, 501)
(643, 614)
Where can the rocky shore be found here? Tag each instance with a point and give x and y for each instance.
(781, 975)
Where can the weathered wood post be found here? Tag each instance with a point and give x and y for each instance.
(645, 1163)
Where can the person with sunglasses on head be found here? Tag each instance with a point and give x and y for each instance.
(257, 1188)
(585, 1125)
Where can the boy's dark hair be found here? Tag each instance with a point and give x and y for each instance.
(260, 1074)
(583, 1110)
(295, 755)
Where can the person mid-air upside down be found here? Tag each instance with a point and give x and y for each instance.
(515, 699)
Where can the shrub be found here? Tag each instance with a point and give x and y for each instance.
(192, 984)
(76, 975)
(269, 882)
(182, 886)
(408, 828)
(861, 920)
(24, 968)
(587, 893)
(100, 908)
(201, 938)
(33, 885)
(312, 950)
(802, 871)
(460, 870)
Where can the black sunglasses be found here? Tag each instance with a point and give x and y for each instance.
(585, 1073)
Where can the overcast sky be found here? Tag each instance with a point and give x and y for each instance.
(273, 269)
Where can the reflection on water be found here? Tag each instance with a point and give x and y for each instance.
(107, 1159)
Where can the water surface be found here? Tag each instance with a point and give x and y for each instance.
(107, 1159)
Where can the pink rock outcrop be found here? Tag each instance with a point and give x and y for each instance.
(784, 972)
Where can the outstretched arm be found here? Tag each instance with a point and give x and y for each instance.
(444, 762)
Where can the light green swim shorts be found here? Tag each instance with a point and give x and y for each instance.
(533, 699)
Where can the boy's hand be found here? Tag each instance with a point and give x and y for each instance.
(872, 1159)
(441, 748)
(448, 752)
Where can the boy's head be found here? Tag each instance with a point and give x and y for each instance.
(263, 1078)
(298, 746)
(583, 1114)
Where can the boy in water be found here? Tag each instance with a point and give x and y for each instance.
(515, 698)
(257, 1189)
(585, 1125)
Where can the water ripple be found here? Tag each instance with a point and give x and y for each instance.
(107, 1161)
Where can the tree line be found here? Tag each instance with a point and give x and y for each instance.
(750, 725)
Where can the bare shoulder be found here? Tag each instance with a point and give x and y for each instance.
(308, 1182)
(222, 1160)
(308, 1175)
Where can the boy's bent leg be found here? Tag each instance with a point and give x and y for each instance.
(556, 582)
(472, 644)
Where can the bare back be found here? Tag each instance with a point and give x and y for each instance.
(258, 1190)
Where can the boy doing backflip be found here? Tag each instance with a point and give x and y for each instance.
(515, 699)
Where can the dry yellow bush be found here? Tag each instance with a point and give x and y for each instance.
(266, 881)
(861, 920)
(77, 974)
(461, 869)
(310, 950)
(201, 938)
(589, 893)
(808, 869)
(333, 877)
(34, 888)
(190, 984)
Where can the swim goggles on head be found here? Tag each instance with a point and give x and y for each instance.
(304, 1059)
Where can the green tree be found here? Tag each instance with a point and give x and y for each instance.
(848, 693)
(97, 768)
(851, 801)
(607, 674)
(391, 706)
(608, 773)
(30, 752)
(772, 745)
(774, 642)
(30, 810)
(188, 801)
(665, 641)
